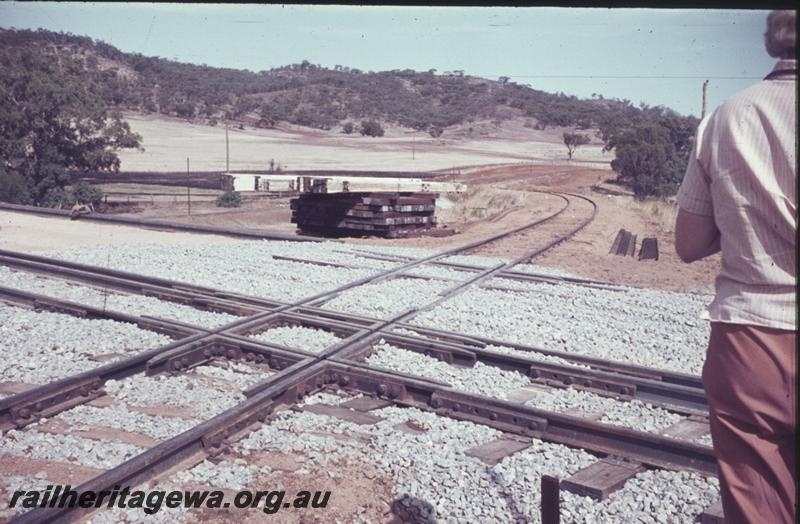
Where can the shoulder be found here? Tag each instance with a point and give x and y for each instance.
(742, 102)
(748, 109)
(765, 97)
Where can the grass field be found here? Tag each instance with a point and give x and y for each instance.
(168, 142)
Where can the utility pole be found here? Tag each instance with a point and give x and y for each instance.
(705, 89)
(227, 151)
(188, 193)
(413, 144)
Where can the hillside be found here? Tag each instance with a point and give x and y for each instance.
(313, 96)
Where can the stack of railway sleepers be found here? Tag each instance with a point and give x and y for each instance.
(384, 214)
(624, 244)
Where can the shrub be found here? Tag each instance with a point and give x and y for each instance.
(229, 199)
(371, 128)
(348, 128)
(56, 197)
(185, 110)
(83, 193)
(13, 188)
(80, 193)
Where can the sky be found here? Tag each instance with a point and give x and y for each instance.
(655, 56)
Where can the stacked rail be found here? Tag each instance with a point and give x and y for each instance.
(388, 215)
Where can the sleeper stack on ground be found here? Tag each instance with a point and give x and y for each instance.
(389, 215)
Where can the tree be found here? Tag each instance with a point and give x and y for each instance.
(647, 158)
(52, 124)
(573, 141)
(371, 128)
(13, 188)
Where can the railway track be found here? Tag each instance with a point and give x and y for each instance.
(294, 374)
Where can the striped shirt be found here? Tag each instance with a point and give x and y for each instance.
(743, 172)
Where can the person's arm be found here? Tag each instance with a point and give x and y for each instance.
(696, 236)
(696, 232)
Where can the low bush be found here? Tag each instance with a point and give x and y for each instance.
(229, 199)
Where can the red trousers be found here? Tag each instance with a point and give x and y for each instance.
(750, 379)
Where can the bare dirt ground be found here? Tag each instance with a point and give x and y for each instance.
(256, 212)
(586, 254)
(30, 233)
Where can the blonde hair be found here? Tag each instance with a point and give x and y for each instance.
(781, 36)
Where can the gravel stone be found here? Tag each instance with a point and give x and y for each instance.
(428, 470)
(476, 260)
(119, 417)
(235, 475)
(299, 337)
(111, 300)
(67, 448)
(164, 515)
(480, 379)
(203, 398)
(388, 298)
(651, 497)
(533, 355)
(542, 270)
(633, 414)
(39, 347)
(652, 328)
(210, 265)
(494, 382)
(12, 483)
(437, 272)
(327, 398)
(238, 374)
(408, 252)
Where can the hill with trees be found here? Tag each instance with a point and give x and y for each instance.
(340, 98)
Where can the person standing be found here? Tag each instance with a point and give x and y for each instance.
(739, 197)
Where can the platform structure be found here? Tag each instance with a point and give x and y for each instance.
(341, 182)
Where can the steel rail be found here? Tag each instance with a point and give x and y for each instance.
(370, 279)
(11, 407)
(181, 447)
(202, 440)
(171, 328)
(610, 366)
(213, 436)
(648, 448)
(675, 397)
(168, 290)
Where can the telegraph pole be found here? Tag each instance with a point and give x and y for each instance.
(188, 194)
(705, 89)
(227, 151)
